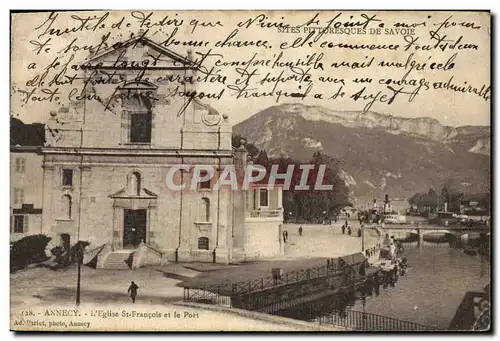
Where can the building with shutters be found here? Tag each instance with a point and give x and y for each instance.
(26, 178)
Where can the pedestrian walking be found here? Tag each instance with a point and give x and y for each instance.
(300, 231)
(285, 236)
(349, 231)
(343, 229)
(132, 289)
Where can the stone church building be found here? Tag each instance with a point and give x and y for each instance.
(107, 156)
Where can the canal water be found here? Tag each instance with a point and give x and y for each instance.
(429, 293)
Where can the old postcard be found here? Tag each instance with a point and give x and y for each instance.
(250, 171)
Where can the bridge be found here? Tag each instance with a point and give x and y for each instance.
(421, 230)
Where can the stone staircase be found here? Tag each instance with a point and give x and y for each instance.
(119, 260)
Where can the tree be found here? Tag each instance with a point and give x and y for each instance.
(313, 205)
(431, 199)
(252, 149)
(425, 201)
(444, 196)
(236, 140)
(30, 249)
(450, 195)
(262, 158)
(416, 199)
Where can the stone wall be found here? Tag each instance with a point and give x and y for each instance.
(262, 237)
(292, 293)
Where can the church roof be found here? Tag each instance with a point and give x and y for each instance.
(186, 62)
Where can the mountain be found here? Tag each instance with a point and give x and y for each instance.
(475, 139)
(379, 153)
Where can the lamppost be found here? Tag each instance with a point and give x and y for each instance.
(79, 250)
(79, 259)
(364, 310)
(362, 237)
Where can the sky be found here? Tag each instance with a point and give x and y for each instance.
(30, 31)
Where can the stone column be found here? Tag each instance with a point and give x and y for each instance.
(83, 201)
(48, 190)
(114, 229)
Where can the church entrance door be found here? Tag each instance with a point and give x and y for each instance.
(134, 228)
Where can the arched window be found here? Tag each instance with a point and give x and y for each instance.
(134, 183)
(203, 243)
(66, 206)
(205, 209)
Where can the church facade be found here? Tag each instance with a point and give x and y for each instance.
(107, 157)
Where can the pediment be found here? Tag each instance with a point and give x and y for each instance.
(138, 52)
(142, 85)
(144, 194)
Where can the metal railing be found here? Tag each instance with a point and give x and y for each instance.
(333, 267)
(240, 295)
(207, 296)
(362, 321)
(89, 255)
(261, 284)
(264, 283)
(355, 320)
(95, 251)
(160, 253)
(265, 213)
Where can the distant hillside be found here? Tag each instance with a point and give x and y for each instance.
(379, 153)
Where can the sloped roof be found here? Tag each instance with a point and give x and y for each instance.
(144, 194)
(355, 258)
(475, 197)
(26, 135)
(146, 41)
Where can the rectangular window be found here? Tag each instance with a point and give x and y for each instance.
(140, 127)
(264, 197)
(18, 196)
(67, 178)
(203, 243)
(19, 223)
(20, 164)
(207, 183)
